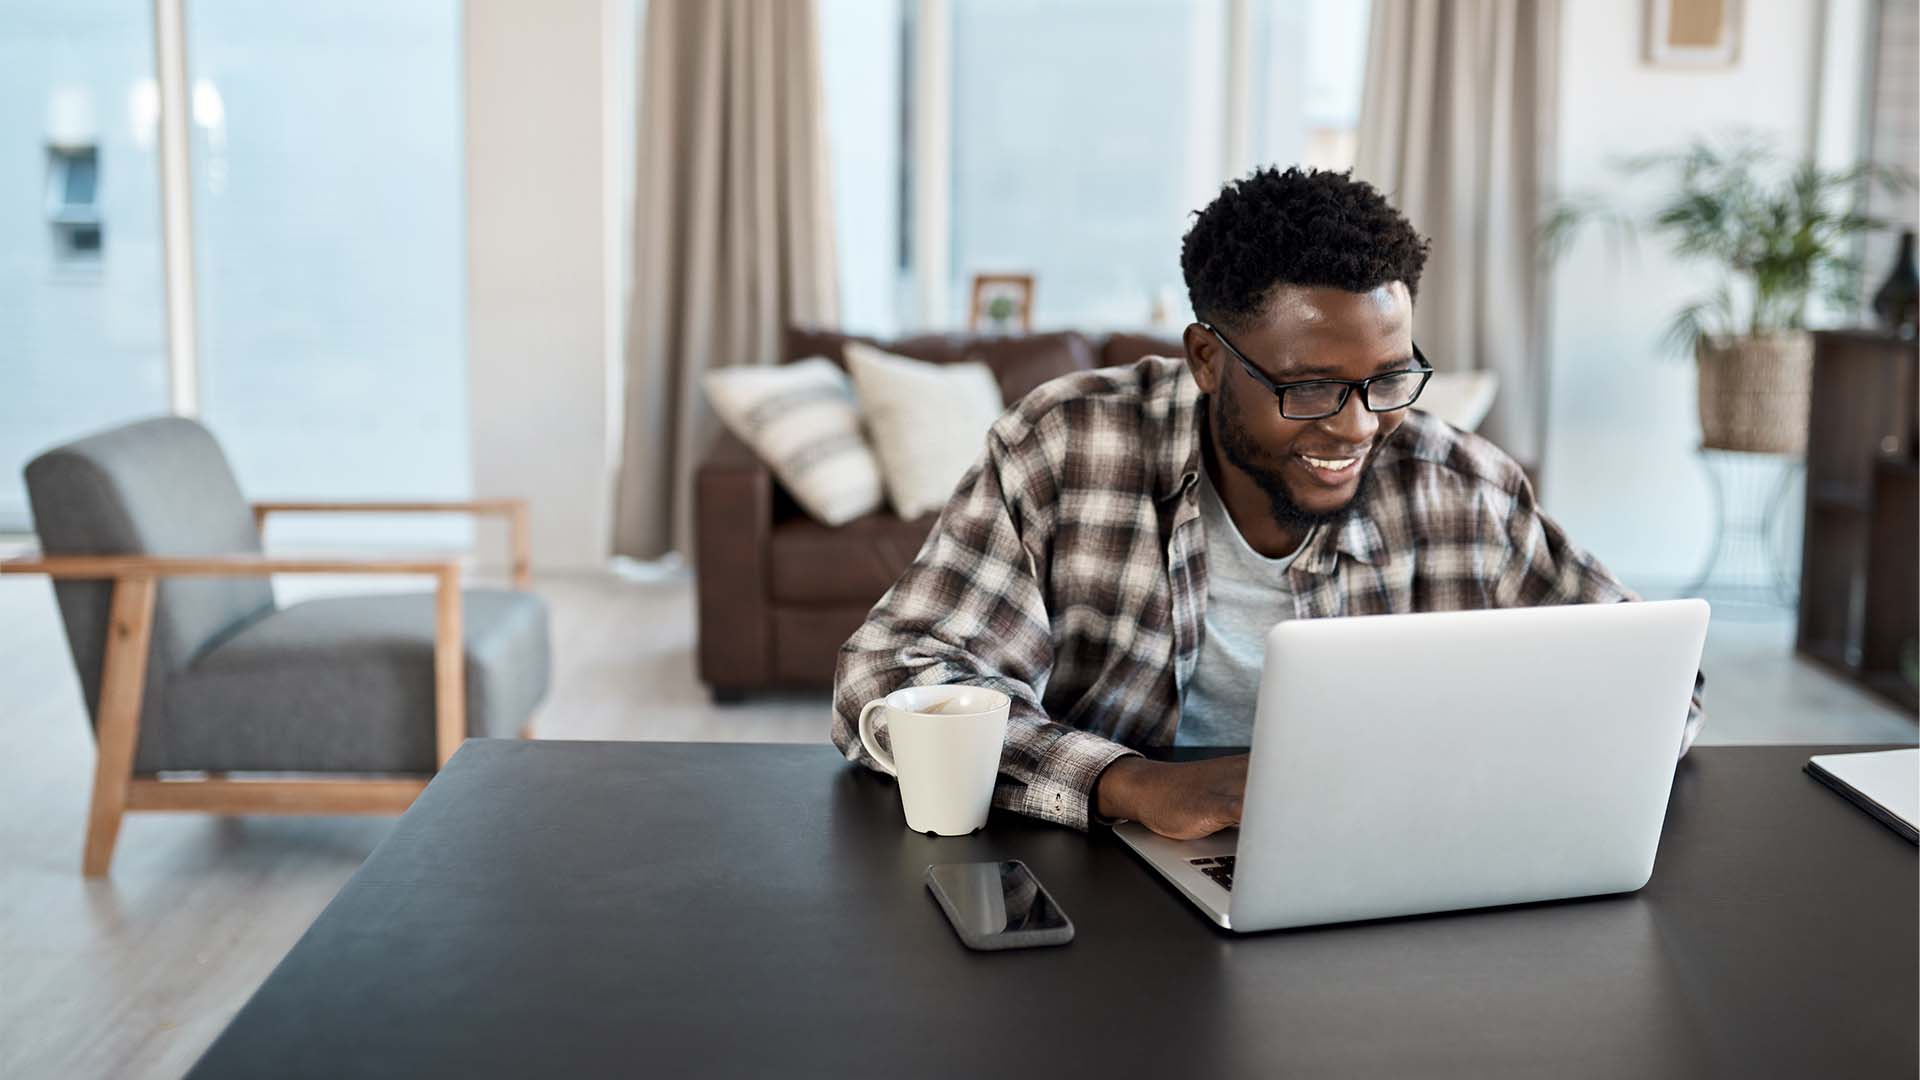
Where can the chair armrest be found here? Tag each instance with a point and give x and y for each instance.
(732, 535)
(135, 576)
(397, 506)
(519, 529)
(123, 566)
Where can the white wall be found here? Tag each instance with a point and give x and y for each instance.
(538, 278)
(1621, 472)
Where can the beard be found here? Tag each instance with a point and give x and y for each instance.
(1237, 445)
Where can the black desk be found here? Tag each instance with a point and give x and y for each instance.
(600, 909)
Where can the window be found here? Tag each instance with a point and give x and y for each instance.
(327, 172)
(1309, 65)
(73, 187)
(862, 65)
(1079, 137)
(82, 350)
(1070, 129)
(329, 239)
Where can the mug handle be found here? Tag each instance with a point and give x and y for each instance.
(880, 757)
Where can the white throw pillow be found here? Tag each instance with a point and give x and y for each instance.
(1461, 398)
(928, 422)
(802, 420)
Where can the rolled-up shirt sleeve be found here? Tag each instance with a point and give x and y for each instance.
(970, 611)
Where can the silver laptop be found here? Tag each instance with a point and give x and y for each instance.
(1415, 763)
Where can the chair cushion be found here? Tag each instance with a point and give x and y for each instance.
(345, 684)
(855, 563)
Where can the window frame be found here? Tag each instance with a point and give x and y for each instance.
(1221, 111)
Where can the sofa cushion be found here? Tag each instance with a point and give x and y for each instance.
(1123, 349)
(927, 422)
(811, 563)
(1019, 363)
(803, 421)
(1022, 363)
(807, 640)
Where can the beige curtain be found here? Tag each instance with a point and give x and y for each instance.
(1456, 126)
(732, 234)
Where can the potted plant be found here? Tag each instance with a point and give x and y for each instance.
(1779, 234)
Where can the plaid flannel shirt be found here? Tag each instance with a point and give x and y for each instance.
(1069, 570)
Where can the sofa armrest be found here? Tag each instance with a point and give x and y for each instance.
(732, 533)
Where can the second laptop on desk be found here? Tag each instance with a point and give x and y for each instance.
(1405, 764)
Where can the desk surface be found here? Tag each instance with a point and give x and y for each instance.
(580, 909)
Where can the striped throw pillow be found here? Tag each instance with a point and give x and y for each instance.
(802, 420)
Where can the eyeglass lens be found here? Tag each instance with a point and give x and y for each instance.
(1315, 400)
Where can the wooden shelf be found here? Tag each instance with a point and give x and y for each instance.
(1894, 687)
(1858, 544)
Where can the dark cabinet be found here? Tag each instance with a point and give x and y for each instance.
(1858, 594)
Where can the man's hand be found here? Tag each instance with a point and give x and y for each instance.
(1182, 800)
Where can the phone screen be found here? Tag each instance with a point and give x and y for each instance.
(997, 898)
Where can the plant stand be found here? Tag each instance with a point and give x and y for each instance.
(1746, 566)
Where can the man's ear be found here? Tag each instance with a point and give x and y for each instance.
(1203, 357)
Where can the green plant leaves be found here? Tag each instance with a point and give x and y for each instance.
(1780, 232)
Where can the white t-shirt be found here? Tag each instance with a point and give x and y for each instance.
(1247, 594)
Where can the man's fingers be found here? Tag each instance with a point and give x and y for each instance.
(1187, 826)
(1199, 799)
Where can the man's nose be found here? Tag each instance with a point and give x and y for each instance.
(1353, 424)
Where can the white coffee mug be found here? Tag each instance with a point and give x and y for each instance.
(946, 752)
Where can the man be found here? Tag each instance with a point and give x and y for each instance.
(1115, 559)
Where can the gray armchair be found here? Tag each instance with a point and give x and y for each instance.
(189, 665)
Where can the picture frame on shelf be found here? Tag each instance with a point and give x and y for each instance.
(1002, 304)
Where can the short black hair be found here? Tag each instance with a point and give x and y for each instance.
(1297, 227)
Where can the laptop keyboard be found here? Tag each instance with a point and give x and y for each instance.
(1219, 869)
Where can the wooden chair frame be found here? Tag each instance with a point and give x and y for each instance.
(123, 675)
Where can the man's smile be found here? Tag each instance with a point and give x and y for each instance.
(1332, 469)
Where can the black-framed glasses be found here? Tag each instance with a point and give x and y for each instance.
(1317, 399)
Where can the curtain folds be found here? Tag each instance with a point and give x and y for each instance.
(732, 234)
(1457, 127)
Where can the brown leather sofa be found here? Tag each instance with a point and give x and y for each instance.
(779, 592)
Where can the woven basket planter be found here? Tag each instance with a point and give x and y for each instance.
(1753, 392)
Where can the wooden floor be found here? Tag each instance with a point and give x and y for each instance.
(135, 975)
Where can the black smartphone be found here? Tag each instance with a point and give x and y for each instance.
(998, 905)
